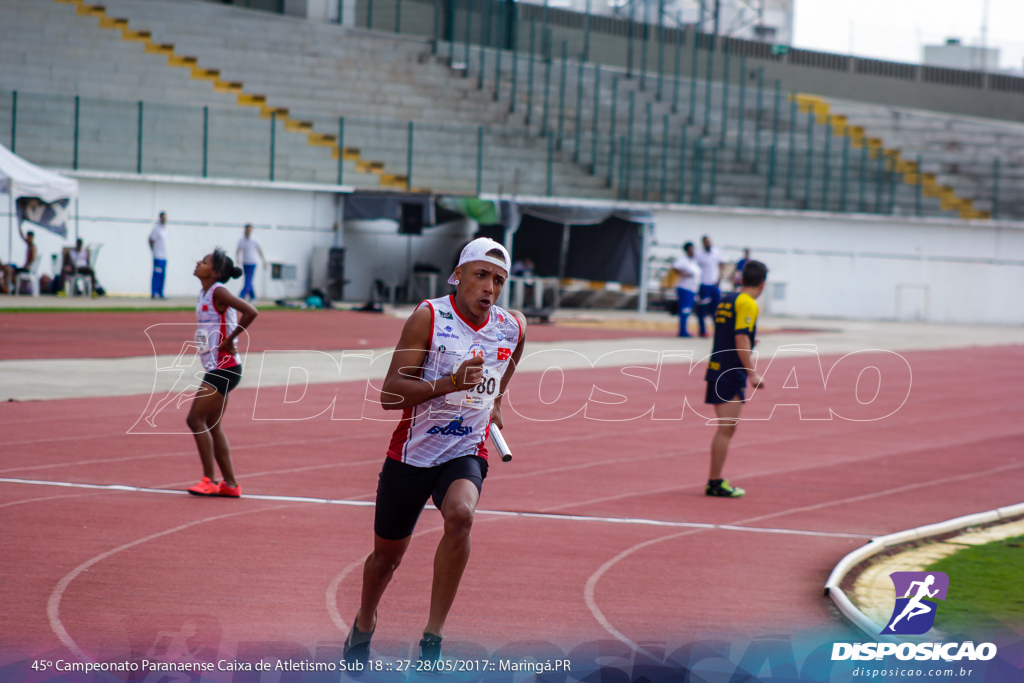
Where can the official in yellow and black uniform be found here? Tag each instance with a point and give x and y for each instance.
(729, 368)
(726, 375)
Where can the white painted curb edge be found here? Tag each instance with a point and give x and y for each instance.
(877, 545)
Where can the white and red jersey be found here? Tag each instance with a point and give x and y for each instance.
(457, 424)
(212, 327)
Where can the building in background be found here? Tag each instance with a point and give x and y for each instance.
(770, 21)
(955, 55)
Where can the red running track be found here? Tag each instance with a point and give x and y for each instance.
(107, 572)
(116, 334)
(120, 334)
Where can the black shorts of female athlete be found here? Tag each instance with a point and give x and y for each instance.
(403, 490)
(224, 379)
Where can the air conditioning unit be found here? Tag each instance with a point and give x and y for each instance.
(283, 271)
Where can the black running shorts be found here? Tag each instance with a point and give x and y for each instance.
(403, 490)
(725, 388)
(224, 379)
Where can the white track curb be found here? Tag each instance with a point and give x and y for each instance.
(879, 544)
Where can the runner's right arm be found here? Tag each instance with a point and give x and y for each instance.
(403, 387)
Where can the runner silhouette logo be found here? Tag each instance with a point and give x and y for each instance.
(916, 592)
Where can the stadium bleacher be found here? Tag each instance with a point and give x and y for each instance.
(482, 126)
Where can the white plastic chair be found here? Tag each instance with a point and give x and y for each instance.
(72, 281)
(31, 276)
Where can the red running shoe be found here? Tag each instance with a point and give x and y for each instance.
(230, 491)
(207, 487)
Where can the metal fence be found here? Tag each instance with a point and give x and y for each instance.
(624, 40)
(621, 40)
(72, 132)
(594, 133)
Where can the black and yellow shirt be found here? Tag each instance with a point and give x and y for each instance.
(736, 314)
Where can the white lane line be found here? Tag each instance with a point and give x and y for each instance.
(495, 513)
(590, 589)
(177, 492)
(53, 603)
(663, 523)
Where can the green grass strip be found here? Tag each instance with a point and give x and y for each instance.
(986, 583)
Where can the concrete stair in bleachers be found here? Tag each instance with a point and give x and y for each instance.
(244, 65)
(381, 83)
(901, 154)
(742, 176)
(956, 177)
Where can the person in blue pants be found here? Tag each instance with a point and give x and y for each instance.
(737, 276)
(158, 245)
(710, 261)
(248, 249)
(686, 286)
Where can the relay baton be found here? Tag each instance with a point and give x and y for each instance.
(499, 443)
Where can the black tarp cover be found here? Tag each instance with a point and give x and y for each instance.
(609, 251)
(605, 242)
(574, 215)
(371, 206)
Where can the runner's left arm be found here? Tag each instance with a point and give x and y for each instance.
(223, 300)
(743, 349)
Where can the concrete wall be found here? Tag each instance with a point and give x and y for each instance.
(118, 212)
(828, 265)
(377, 252)
(869, 267)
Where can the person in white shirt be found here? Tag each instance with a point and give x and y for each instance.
(686, 287)
(248, 249)
(77, 262)
(710, 261)
(158, 245)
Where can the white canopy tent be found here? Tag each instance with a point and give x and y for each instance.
(19, 178)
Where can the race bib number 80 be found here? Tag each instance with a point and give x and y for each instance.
(482, 395)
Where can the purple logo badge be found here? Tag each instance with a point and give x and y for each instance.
(914, 612)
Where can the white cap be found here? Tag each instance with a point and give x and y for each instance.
(477, 251)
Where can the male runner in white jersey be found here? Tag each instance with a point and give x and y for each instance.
(456, 356)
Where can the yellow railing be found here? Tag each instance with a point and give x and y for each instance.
(242, 98)
(894, 160)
